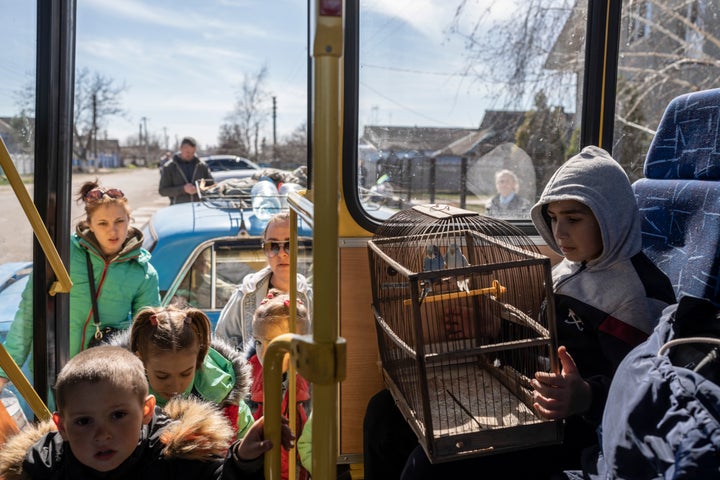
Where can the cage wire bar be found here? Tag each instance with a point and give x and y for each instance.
(464, 314)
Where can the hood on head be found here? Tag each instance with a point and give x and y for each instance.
(595, 179)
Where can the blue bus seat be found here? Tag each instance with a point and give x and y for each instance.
(679, 198)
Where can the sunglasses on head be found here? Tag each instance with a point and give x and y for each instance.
(272, 249)
(98, 193)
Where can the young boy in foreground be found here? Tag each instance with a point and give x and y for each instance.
(107, 426)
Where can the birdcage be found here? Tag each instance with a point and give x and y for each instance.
(465, 317)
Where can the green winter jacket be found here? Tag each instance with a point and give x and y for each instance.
(124, 284)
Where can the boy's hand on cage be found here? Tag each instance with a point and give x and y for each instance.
(558, 396)
(254, 444)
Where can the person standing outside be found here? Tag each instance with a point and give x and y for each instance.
(178, 176)
(235, 322)
(507, 203)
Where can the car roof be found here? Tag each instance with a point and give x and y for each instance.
(212, 158)
(178, 230)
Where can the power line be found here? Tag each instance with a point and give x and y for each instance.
(410, 70)
(415, 112)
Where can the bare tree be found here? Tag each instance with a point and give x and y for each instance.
(245, 122)
(669, 47)
(96, 99)
(291, 151)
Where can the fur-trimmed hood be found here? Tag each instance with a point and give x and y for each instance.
(207, 383)
(186, 429)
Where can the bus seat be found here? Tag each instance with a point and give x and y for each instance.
(679, 198)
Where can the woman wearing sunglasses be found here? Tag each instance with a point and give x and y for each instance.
(111, 274)
(235, 322)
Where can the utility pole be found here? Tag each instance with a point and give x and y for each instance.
(94, 128)
(144, 119)
(274, 117)
(146, 142)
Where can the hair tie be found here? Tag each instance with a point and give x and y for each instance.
(153, 320)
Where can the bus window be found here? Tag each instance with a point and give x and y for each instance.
(667, 48)
(461, 103)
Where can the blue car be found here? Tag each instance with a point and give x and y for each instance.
(203, 250)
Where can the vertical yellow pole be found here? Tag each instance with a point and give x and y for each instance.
(327, 50)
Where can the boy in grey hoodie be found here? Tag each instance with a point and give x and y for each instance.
(608, 298)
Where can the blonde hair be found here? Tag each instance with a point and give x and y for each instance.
(275, 310)
(282, 217)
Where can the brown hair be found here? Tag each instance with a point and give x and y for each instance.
(170, 329)
(92, 205)
(282, 217)
(275, 309)
(115, 366)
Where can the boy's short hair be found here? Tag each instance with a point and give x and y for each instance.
(116, 366)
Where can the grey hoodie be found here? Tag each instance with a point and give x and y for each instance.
(608, 305)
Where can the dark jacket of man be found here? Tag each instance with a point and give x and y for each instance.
(177, 172)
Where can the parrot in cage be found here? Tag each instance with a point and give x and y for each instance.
(454, 258)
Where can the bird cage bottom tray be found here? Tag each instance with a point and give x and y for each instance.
(473, 414)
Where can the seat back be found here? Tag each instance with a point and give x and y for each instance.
(679, 198)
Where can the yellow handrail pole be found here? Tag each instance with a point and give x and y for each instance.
(18, 379)
(292, 381)
(327, 50)
(272, 390)
(63, 282)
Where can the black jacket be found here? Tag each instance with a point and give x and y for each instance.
(173, 179)
(187, 440)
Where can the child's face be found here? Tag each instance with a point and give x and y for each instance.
(576, 230)
(171, 373)
(264, 334)
(102, 423)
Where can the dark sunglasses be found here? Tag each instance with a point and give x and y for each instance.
(98, 193)
(272, 249)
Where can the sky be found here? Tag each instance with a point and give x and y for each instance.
(182, 62)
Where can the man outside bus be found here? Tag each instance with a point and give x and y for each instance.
(178, 176)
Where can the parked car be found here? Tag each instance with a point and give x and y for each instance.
(223, 167)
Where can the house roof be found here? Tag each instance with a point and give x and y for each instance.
(466, 145)
(427, 139)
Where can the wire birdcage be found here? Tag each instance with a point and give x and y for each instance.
(465, 317)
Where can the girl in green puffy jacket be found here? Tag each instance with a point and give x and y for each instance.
(181, 359)
(107, 261)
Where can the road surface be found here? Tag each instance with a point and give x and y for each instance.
(138, 184)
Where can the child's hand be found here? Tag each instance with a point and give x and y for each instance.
(560, 396)
(254, 444)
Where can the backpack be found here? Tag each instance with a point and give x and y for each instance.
(662, 417)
